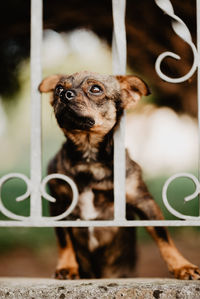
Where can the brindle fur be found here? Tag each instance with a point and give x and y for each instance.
(88, 120)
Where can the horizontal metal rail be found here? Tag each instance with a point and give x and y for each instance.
(100, 223)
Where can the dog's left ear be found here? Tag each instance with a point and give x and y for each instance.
(48, 84)
(132, 89)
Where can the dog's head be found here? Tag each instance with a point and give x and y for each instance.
(92, 102)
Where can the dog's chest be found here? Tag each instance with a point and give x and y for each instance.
(96, 170)
(92, 176)
(94, 204)
(90, 211)
(94, 181)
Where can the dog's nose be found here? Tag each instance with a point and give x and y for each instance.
(70, 94)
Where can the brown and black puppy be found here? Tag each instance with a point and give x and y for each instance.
(88, 107)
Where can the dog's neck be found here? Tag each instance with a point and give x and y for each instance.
(89, 146)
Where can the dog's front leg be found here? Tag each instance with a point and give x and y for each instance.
(67, 266)
(140, 201)
(177, 264)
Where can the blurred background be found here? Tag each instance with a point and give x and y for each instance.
(161, 134)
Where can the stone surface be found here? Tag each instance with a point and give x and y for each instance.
(35, 288)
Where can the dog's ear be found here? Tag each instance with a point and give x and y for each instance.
(48, 84)
(132, 89)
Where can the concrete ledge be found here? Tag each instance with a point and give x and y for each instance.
(35, 288)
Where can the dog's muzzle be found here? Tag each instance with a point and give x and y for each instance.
(71, 116)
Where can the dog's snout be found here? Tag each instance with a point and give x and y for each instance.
(90, 122)
(67, 95)
(70, 94)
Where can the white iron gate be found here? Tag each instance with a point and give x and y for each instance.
(36, 186)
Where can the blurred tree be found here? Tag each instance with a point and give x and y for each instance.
(149, 33)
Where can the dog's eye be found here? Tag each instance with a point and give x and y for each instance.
(58, 90)
(95, 89)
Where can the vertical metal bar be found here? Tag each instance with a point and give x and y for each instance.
(36, 76)
(119, 37)
(198, 82)
(119, 68)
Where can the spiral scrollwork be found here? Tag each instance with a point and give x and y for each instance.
(186, 199)
(51, 199)
(182, 31)
(43, 192)
(3, 209)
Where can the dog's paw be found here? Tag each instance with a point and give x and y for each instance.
(70, 273)
(189, 272)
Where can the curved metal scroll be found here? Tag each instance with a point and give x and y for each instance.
(13, 216)
(6, 178)
(182, 31)
(186, 199)
(51, 199)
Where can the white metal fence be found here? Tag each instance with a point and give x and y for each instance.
(36, 186)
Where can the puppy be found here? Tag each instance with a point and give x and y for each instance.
(88, 108)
